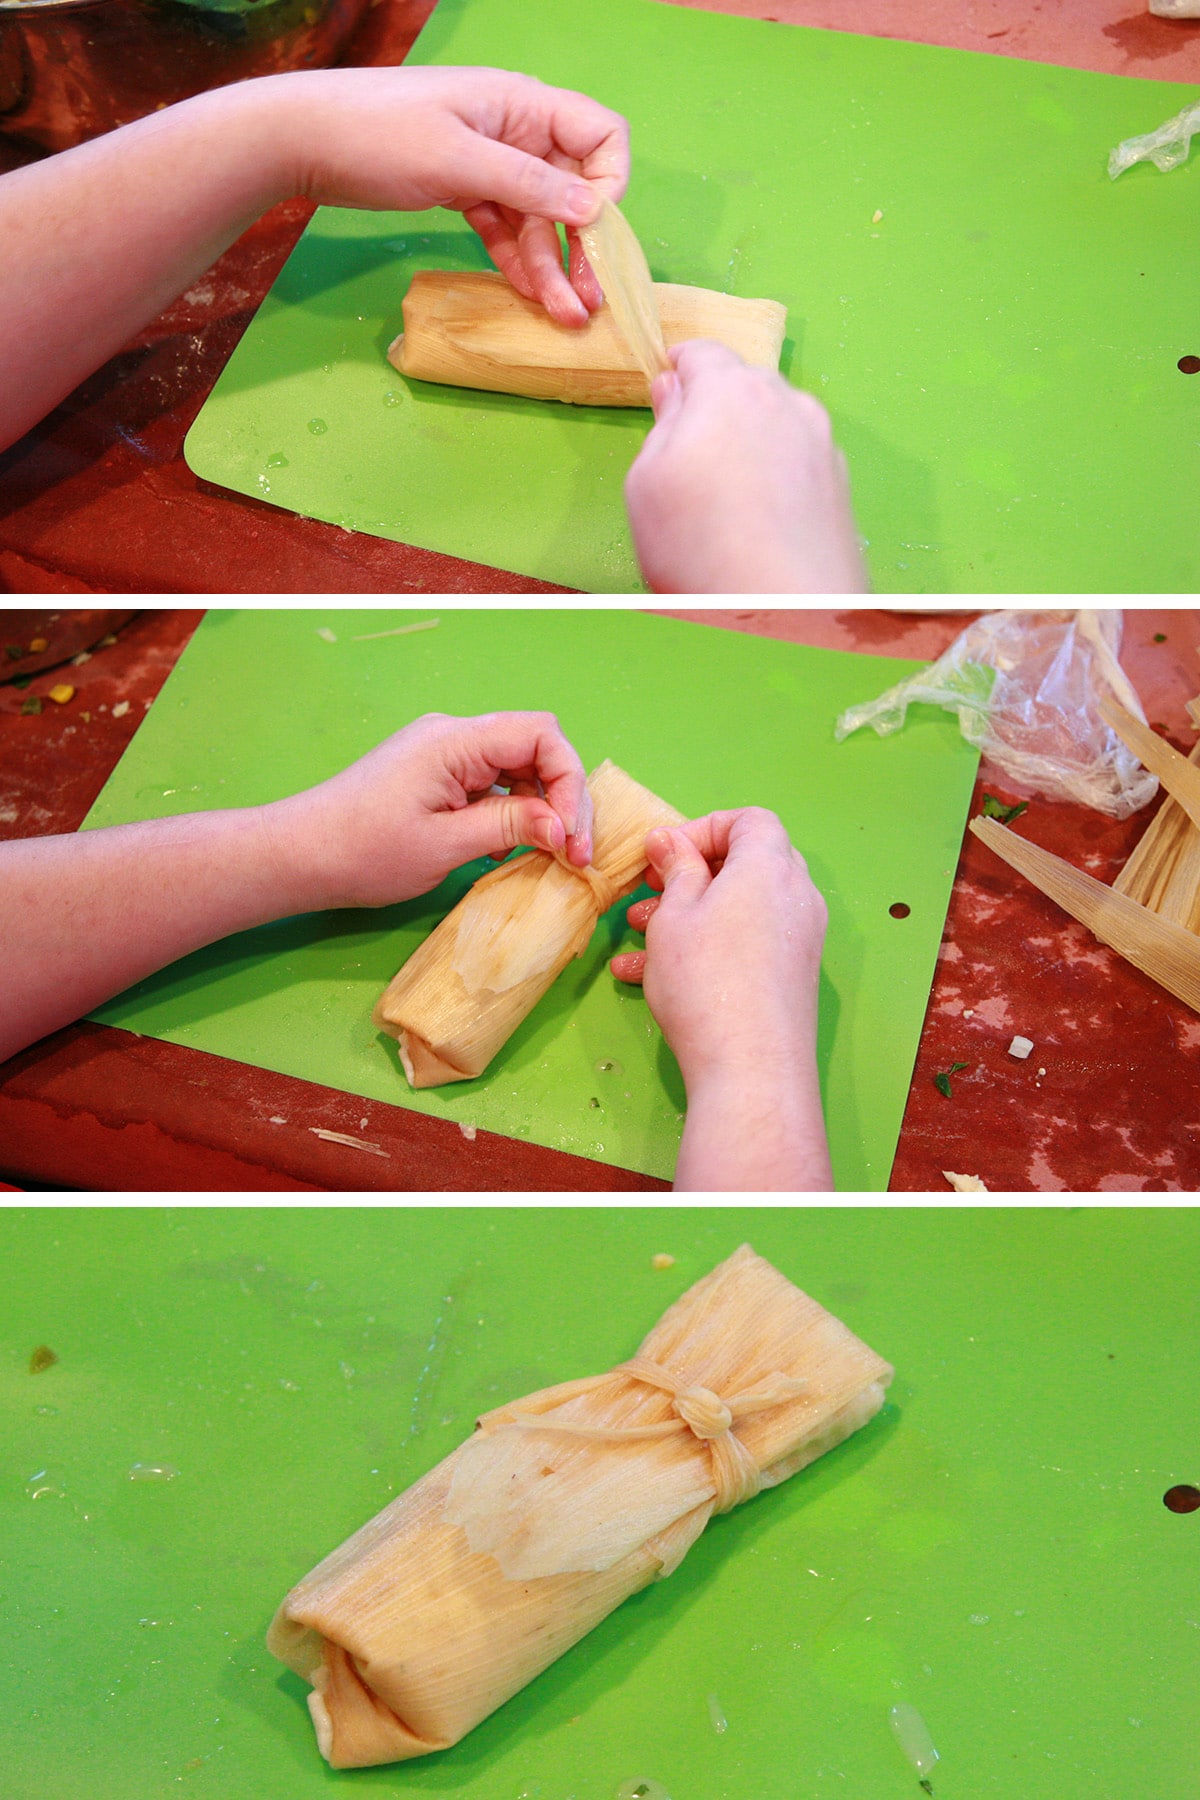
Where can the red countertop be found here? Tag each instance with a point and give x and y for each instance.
(1109, 1099)
(98, 498)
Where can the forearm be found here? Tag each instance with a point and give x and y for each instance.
(750, 1132)
(86, 915)
(96, 241)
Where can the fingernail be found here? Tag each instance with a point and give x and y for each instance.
(582, 203)
(548, 834)
(660, 848)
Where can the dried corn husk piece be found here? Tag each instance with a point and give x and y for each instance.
(463, 993)
(473, 329)
(1164, 871)
(1180, 778)
(1166, 952)
(611, 246)
(453, 1598)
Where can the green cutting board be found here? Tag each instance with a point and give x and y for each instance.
(992, 1549)
(261, 705)
(999, 350)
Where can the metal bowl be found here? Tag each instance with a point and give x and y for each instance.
(71, 69)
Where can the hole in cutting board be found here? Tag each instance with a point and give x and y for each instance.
(1189, 365)
(899, 909)
(1182, 1499)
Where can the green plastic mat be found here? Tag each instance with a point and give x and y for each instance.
(992, 1549)
(998, 350)
(260, 705)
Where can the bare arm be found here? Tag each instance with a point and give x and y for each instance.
(84, 916)
(96, 241)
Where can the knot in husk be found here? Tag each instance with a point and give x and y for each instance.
(704, 1412)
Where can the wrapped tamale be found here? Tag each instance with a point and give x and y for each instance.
(562, 1505)
(471, 329)
(464, 991)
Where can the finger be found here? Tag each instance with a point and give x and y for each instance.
(666, 396)
(699, 358)
(673, 856)
(593, 137)
(478, 168)
(542, 260)
(499, 238)
(502, 820)
(579, 841)
(582, 275)
(640, 913)
(739, 832)
(527, 744)
(630, 965)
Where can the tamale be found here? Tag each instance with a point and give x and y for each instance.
(562, 1505)
(464, 991)
(471, 329)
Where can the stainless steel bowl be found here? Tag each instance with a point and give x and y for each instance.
(71, 69)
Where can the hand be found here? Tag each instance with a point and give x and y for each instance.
(739, 487)
(400, 819)
(509, 153)
(733, 946)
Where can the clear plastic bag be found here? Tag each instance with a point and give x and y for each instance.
(1024, 686)
(1166, 146)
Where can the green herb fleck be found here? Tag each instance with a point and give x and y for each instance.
(1160, 637)
(14, 652)
(42, 1358)
(31, 704)
(21, 681)
(996, 809)
(593, 1101)
(927, 1785)
(941, 1080)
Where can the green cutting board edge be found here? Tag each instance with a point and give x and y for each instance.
(992, 1549)
(260, 705)
(998, 352)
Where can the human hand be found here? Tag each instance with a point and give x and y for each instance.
(739, 487)
(510, 153)
(426, 800)
(733, 945)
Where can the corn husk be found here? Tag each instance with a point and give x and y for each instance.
(503, 1556)
(472, 329)
(1180, 777)
(1162, 949)
(462, 994)
(611, 246)
(1164, 871)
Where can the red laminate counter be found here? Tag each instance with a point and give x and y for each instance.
(1109, 1099)
(98, 498)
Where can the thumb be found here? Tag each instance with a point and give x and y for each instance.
(501, 822)
(675, 859)
(490, 170)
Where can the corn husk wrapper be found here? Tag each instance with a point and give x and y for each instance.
(513, 1548)
(472, 329)
(611, 246)
(463, 992)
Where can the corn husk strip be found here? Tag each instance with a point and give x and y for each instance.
(611, 246)
(423, 1622)
(1180, 777)
(1166, 952)
(1164, 871)
(463, 992)
(473, 329)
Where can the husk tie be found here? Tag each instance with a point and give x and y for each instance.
(736, 1474)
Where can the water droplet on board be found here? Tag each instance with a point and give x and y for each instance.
(277, 460)
(317, 427)
(641, 1788)
(41, 1487)
(391, 399)
(140, 1471)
